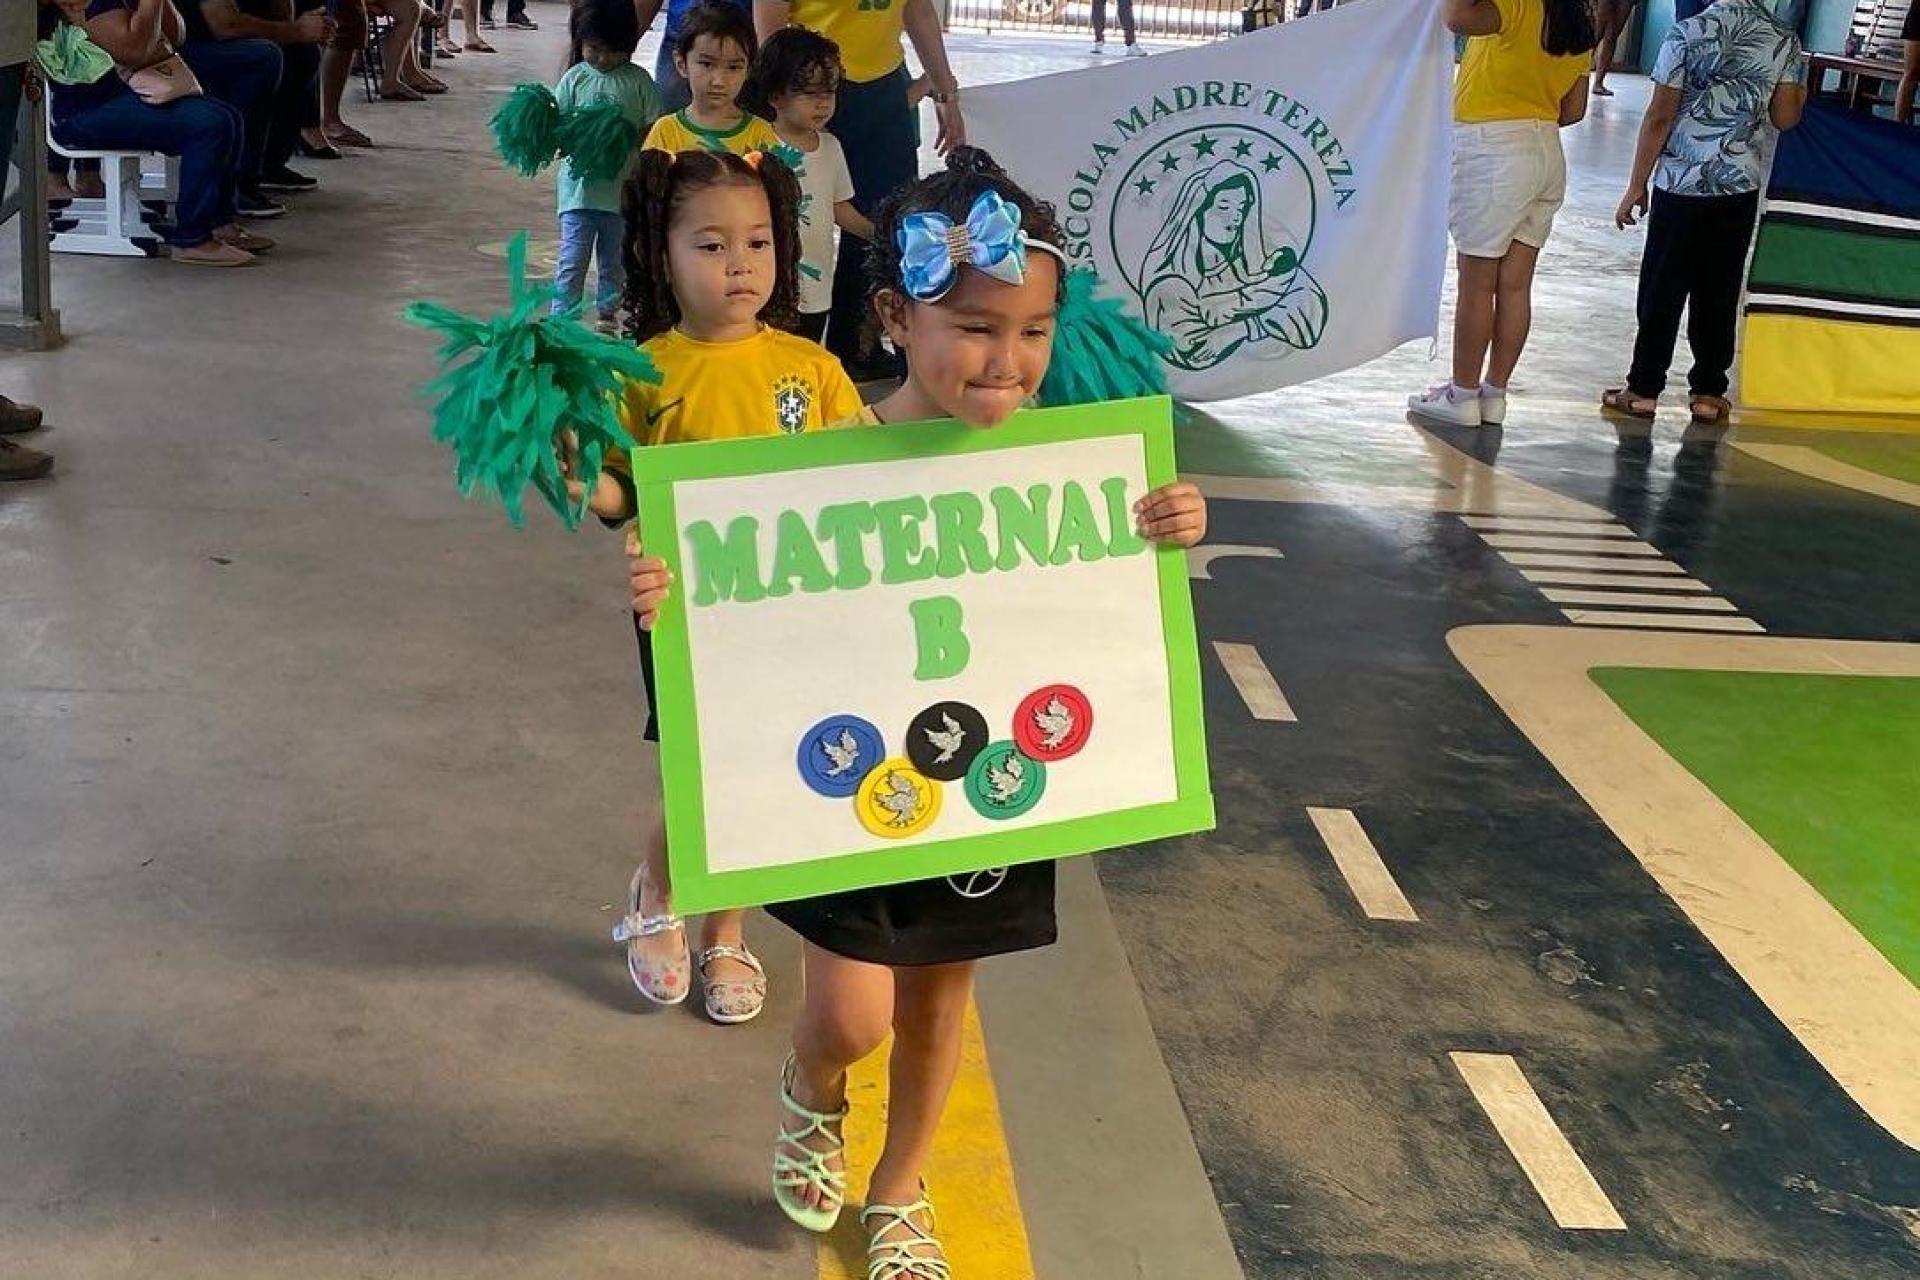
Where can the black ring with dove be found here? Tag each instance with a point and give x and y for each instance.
(944, 739)
(837, 753)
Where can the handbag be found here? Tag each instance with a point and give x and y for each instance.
(167, 80)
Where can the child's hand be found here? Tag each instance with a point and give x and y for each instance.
(609, 500)
(1175, 513)
(649, 581)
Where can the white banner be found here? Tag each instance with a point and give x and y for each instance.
(1275, 203)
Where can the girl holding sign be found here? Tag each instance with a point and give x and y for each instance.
(968, 282)
(712, 259)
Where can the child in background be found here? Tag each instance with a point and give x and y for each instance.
(901, 958)
(1723, 81)
(600, 69)
(715, 48)
(712, 254)
(795, 82)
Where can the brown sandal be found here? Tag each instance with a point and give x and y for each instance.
(1717, 409)
(1621, 403)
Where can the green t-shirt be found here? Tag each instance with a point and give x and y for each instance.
(628, 87)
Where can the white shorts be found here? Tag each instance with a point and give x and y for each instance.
(1509, 179)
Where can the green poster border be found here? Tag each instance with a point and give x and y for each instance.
(657, 469)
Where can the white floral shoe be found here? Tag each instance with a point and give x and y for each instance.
(732, 1002)
(662, 973)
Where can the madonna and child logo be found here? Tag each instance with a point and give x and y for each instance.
(1205, 199)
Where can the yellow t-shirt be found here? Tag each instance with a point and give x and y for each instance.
(1508, 76)
(770, 384)
(677, 132)
(869, 38)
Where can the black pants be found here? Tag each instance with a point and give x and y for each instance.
(1100, 20)
(811, 325)
(879, 132)
(1696, 248)
(516, 10)
(295, 106)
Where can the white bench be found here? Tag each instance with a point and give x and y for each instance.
(141, 188)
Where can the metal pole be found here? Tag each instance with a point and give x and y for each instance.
(36, 326)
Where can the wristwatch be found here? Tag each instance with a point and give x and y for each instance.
(944, 98)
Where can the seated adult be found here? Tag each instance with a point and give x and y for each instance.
(295, 103)
(207, 133)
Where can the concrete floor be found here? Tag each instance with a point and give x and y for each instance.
(318, 787)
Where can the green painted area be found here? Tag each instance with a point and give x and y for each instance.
(1895, 456)
(1826, 768)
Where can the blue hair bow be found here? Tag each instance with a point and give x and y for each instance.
(933, 248)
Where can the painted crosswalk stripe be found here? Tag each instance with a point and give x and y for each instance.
(1256, 684)
(1555, 1169)
(1637, 581)
(1639, 600)
(1668, 621)
(1365, 871)
(1537, 524)
(1619, 564)
(1567, 542)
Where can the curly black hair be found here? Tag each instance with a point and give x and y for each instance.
(792, 59)
(969, 171)
(660, 183)
(722, 22)
(612, 23)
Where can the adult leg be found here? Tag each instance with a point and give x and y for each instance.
(294, 105)
(847, 1012)
(470, 18)
(1477, 282)
(204, 133)
(1664, 280)
(336, 67)
(876, 128)
(1909, 82)
(1128, 30)
(1099, 22)
(517, 15)
(1612, 20)
(1719, 255)
(1512, 311)
(674, 92)
(244, 74)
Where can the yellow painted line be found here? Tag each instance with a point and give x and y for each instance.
(969, 1176)
(1813, 463)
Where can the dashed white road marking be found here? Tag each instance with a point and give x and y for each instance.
(1257, 687)
(1666, 621)
(1200, 559)
(1639, 581)
(1559, 1176)
(1553, 560)
(1576, 543)
(1639, 599)
(1360, 863)
(1535, 524)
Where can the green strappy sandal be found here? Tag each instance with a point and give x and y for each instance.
(896, 1259)
(808, 1169)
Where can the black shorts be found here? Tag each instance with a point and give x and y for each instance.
(943, 921)
(645, 638)
(1910, 29)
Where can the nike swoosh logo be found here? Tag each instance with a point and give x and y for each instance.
(664, 410)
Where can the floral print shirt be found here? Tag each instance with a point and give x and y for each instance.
(1726, 62)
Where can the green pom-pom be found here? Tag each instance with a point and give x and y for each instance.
(526, 129)
(512, 384)
(597, 140)
(1101, 351)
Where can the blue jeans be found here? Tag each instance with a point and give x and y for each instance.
(207, 134)
(244, 74)
(674, 93)
(880, 134)
(585, 234)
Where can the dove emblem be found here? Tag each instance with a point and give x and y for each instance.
(844, 754)
(1055, 722)
(948, 739)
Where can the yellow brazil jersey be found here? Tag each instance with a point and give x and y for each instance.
(1509, 76)
(769, 384)
(867, 31)
(678, 132)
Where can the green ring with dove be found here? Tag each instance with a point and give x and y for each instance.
(1004, 782)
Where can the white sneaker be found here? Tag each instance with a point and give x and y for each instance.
(1493, 405)
(1099, 48)
(1135, 51)
(1446, 405)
